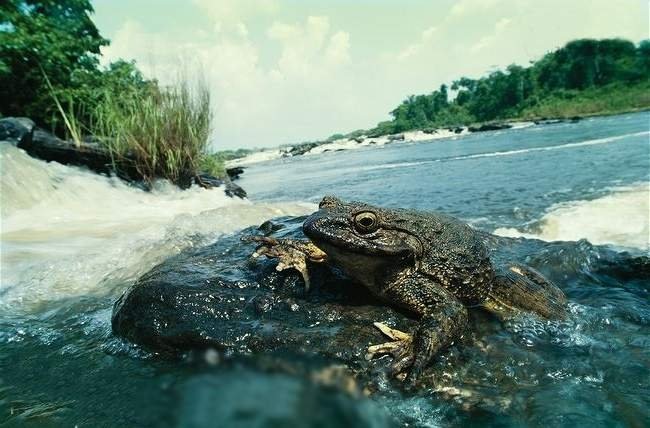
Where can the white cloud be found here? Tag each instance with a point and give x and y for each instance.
(277, 79)
(299, 85)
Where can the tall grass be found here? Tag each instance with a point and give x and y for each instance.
(163, 132)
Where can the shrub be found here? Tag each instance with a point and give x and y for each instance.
(163, 131)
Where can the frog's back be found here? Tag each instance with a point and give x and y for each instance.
(457, 258)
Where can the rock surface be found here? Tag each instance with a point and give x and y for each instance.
(489, 127)
(16, 130)
(208, 181)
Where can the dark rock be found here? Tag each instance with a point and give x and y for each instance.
(46, 146)
(235, 172)
(575, 119)
(16, 130)
(396, 137)
(301, 149)
(213, 297)
(208, 181)
(458, 130)
(359, 139)
(233, 189)
(269, 227)
(489, 127)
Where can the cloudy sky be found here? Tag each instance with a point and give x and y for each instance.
(284, 71)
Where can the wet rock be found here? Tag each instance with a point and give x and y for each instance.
(208, 181)
(489, 127)
(396, 137)
(235, 172)
(16, 130)
(91, 155)
(217, 297)
(301, 149)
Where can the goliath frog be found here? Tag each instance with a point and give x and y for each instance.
(428, 264)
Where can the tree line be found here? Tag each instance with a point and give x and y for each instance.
(578, 66)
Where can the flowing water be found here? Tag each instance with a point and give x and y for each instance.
(73, 241)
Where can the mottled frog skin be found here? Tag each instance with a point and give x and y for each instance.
(429, 264)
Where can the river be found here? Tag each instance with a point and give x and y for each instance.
(73, 241)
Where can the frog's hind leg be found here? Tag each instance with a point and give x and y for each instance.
(518, 287)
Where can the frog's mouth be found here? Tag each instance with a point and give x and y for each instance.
(333, 233)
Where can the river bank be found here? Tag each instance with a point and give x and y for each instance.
(363, 140)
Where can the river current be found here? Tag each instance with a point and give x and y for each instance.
(73, 241)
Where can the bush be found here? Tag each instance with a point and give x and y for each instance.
(163, 131)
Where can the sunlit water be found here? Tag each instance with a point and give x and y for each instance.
(73, 241)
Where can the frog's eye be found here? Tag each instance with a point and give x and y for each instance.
(366, 222)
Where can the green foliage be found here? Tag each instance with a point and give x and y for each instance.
(213, 164)
(55, 35)
(559, 76)
(164, 131)
(49, 71)
(609, 99)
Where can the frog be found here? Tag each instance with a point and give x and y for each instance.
(428, 264)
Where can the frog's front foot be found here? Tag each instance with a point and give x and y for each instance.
(291, 254)
(400, 348)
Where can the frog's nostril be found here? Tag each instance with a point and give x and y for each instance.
(329, 201)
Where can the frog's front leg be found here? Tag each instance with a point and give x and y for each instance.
(290, 253)
(443, 320)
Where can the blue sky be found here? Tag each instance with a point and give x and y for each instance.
(289, 71)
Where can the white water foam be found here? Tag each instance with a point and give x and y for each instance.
(559, 147)
(593, 142)
(621, 218)
(66, 231)
(261, 156)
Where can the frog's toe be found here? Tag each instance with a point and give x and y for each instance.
(400, 348)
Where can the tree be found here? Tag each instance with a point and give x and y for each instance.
(55, 37)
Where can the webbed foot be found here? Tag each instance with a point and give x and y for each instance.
(400, 348)
(291, 254)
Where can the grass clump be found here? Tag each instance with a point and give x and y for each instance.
(213, 164)
(162, 132)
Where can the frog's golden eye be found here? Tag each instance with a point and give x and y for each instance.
(366, 222)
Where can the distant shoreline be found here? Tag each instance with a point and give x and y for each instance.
(412, 136)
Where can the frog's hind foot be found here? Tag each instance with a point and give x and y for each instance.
(400, 348)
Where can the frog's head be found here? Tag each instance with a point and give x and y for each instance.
(367, 242)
